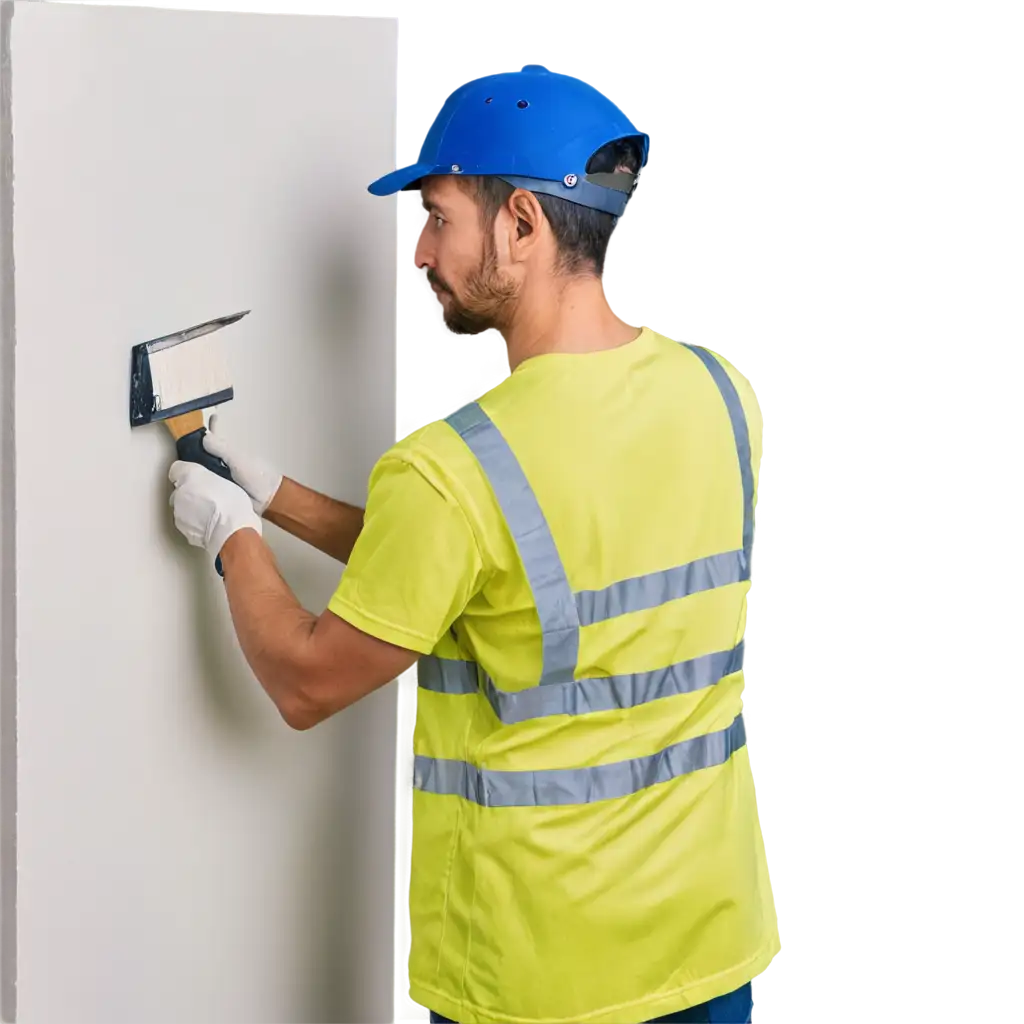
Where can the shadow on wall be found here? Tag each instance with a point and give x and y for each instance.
(356, 346)
(348, 877)
(225, 685)
(348, 873)
(343, 880)
(335, 292)
(328, 980)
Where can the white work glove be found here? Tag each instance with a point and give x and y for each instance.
(256, 478)
(207, 508)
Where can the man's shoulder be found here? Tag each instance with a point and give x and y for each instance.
(739, 379)
(435, 451)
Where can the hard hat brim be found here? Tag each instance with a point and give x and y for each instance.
(403, 178)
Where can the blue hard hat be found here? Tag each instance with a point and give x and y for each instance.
(532, 128)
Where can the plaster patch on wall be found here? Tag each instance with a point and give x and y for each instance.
(8, 612)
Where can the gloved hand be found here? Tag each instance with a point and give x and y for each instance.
(207, 508)
(256, 478)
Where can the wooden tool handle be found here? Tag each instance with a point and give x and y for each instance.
(179, 426)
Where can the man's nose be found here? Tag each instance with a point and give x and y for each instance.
(424, 255)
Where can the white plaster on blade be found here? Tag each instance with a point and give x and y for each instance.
(188, 372)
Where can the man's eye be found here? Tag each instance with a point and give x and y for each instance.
(438, 220)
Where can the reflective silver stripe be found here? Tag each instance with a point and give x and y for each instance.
(612, 693)
(560, 786)
(658, 588)
(739, 429)
(581, 696)
(551, 591)
(446, 675)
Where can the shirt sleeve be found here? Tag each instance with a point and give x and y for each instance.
(416, 562)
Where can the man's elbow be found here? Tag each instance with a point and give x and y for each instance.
(299, 719)
(300, 713)
(305, 704)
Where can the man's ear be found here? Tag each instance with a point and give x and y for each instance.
(527, 217)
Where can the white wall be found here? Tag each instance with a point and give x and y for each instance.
(8, 552)
(182, 855)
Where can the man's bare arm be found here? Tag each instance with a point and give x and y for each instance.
(311, 667)
(329, 525)
(332, 526)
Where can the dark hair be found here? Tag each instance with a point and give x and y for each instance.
(582, 233)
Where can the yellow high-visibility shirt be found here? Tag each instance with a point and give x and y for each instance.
(572, 555)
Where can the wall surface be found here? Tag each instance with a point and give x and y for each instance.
(8, 554)
(182, 855)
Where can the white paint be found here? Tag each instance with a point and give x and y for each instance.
(189, 371)
(182, 854)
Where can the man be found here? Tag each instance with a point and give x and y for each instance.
(568, 560)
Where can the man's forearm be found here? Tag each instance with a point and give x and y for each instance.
(329, 525)
(311, 667)
(274, 631)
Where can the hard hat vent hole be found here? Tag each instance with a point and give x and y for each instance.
(523, 104)
(488, 100)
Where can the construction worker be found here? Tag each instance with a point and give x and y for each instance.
(567, 561)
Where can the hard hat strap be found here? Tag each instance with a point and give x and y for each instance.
(583, 192)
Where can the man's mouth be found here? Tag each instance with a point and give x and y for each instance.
(437, 293)
(434, 285)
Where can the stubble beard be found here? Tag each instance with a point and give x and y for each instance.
(489, 300)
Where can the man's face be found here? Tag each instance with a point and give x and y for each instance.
(461, 260)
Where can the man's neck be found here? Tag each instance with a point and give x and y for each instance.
(564, 315)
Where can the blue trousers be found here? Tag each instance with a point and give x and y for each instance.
(734, 1008)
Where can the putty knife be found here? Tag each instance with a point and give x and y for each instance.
(174, 378)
